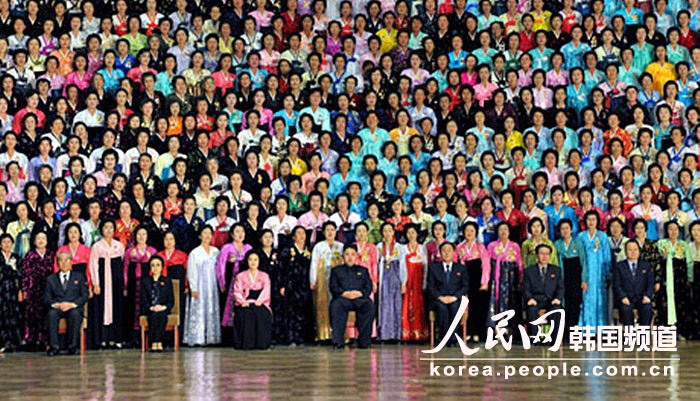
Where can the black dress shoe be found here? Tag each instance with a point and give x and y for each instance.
(52, 352)
(72, 351)
(338, 346)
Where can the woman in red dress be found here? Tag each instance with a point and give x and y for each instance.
(413, 317)
(125, 225)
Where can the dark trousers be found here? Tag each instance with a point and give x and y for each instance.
(534, 311)
(627, 315)
(156, 325)
(74, 318)
(364, 314)
(445, 315)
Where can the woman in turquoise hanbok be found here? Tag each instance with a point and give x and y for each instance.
(596, 262)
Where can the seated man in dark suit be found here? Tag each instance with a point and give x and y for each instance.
(448, 281)
(66, 293)
(634, 286)
(543, 286)
(350, 287)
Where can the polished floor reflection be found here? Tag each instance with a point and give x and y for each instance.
(320, 373)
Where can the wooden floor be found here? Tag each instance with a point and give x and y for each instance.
(388, 372)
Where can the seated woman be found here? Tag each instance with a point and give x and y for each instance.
(252, 314)
(156, 301)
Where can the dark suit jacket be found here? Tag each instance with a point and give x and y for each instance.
(551, 288)
(76, 290)
(437, 285)
(350, 278)
(633, 288)
(165, 295)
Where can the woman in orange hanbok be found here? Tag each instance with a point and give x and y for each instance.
(413, 316)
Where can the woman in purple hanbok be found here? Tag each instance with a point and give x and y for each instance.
(392, 279)
(227, 268)
(36, 267)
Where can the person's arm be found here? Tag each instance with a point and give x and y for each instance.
(527, 287)
(336, 285)
(464, 281)
(431, 284)
(49, 295)
(264, 297)
(560, 285)
(83, 292)
(617, 283)
(192, 273)
(649, 282)
(485, 265)
(366, 284)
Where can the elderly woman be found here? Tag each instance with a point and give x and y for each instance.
(252, 313)
(157, 300)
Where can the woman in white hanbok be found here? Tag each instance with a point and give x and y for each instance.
(202, 320)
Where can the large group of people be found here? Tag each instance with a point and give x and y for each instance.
(289, 162)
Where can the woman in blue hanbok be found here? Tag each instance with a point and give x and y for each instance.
(596, 264)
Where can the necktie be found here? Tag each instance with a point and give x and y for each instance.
(64, 280)
(543, 272)
(634, 269)
(448, 270)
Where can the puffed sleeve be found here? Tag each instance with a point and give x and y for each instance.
(193, 272)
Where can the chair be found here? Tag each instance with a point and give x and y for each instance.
(173, 323)
(63, 329)
(431, 318)
(351, 323)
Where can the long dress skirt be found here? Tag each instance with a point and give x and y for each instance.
(681, 296)
(132, 304)
(478, 300)
(279, 333)
(99, 333)
(573, 294)
(225, 298)
(322, 305)
(413, 317)
(177, 272)
(252, 328)
(298, 305)
(10, 312)
(506, 296)
(695, 327)
(390, 302)
(35, 310)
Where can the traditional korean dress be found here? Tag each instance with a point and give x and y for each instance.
(227, 267)
(10, 312)
(323, 258)
(202, 321)
(392, 274)
(135, 267)
(297, 312)
(573, 271)
(105, 309)
(175, 268)
(596, 261)
(506, 273)
(673, 298)
(36, 268)
(478, 263)
(415, 270)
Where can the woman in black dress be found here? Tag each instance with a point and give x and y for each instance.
(156, 301)
(296, 315)
(252, 315)
(570, 251)
(10, 285)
